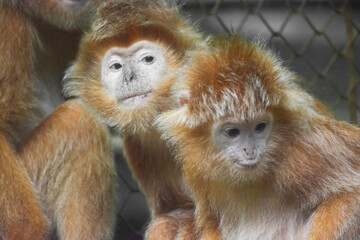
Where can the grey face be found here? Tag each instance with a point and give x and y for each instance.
(243, 143)
(132, 74)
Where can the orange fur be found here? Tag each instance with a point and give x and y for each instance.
(16, 79)
(75, 176)
(165, 227)
(121, 25)
(330, 218)
(177, 224)
(21, 216)
(36, 46)
(307, 184)
(63, 14)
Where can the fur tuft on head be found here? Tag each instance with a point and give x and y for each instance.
(133, 20)
(232, 72)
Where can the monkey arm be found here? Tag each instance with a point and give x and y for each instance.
(207, 223)
(69, 159)
(337, 218)
(20, 212)
(16, 70)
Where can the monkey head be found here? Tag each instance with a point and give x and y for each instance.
(235, 111)
(128, 60)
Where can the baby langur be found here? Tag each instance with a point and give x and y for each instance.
(263, 158)
(123, 74)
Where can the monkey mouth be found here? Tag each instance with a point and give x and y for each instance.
(74, 2)
(247, 166)
(134, 96)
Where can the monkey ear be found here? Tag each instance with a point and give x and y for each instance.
(184, 97)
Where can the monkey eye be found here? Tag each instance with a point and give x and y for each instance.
(115, 66)
(231, 132)
(260, 127)
(148, 59)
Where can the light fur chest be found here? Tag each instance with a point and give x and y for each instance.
(258, 214)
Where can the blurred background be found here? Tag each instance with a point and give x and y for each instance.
(317, 39)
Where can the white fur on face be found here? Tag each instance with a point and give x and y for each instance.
(243, 142)
(131, 74)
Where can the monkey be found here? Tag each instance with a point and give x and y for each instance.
(42, 186)
(122, 74)
(263, 158)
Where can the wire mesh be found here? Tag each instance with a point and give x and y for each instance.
(317, 39)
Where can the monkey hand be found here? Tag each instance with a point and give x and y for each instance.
(175, 225)
(211, 234)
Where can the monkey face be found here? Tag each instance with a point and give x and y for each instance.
(131, 75)
(127, 86)
(243, 143)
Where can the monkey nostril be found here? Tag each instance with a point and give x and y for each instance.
(129, 79)
(249, 152)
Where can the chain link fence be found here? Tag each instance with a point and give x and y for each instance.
(317, 39)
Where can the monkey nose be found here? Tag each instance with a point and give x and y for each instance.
(131, 77)
(250, 152)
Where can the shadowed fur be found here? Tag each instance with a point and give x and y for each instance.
(38, 40)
